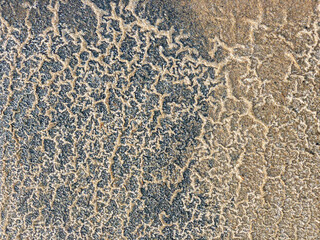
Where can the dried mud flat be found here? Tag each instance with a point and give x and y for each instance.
(150, 119)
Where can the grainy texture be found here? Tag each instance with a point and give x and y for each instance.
(158, 119)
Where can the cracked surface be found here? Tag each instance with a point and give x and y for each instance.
(149, 119)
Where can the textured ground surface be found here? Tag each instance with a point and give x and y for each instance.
(155, 119)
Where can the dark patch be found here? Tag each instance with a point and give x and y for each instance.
(175, 14)
(40, 17)
(14, 13)
(79, 17)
